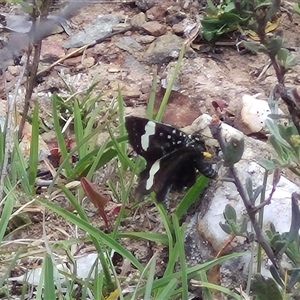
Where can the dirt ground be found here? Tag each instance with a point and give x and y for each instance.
(205, 77)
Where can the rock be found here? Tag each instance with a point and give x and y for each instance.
(88, 62)
(138, 20)
(99, 28)
(163, 48)
(220, 193)
(51, 51)
(85, 64)
(178, 28)
(154, 28)
(114, 69)
(84, 266)
(143, 5)
(72, 61)
(278, 212)
(157, 12)
(13, 70)
(145, 39)
(252, 114)
(128, 44)
(126, 94)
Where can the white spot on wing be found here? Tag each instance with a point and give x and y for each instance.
(168, 136)
(149, 130)
(154, 169)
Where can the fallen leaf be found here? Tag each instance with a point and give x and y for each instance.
(95, 197)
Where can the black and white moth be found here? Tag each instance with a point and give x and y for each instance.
(172, 156)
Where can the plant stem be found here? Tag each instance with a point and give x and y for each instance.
(260, 221)
(215, 128)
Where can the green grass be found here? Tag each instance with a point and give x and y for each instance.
(82, 111)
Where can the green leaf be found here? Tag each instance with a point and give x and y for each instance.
(167, 94)
(149, 284)
(273, 128)
(78, 128)
(229, 7)
(295, 222)
(6, 214)
(94, 232)
(276, 276)
(233, 151)
(273, 44)
(151, 101)
(255, 47)
(159, 238)
(60, 138)
(269, 165)
(211, 8)
(98, 283)
(191, 196)
(294, 278)
(208, 35)
(226, 228)
(273, 10)
(297, 8)
(244, 224)
(257, 192)
(49, 285)
(192, 272)
(218, 288)
(230, 213)
(277, 146)
(84, 165)
(168, 289)
(34, 148)
(19, 166)
(179, 233)
(206, 291)
(249, 188)
(12, 265)
(265, 288)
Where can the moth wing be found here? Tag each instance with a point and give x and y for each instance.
(153, 140)
(176, 168)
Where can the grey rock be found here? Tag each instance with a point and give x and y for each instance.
(96, 30)
(138, 20)
(128, 44)
(163, 49)
(143, 5)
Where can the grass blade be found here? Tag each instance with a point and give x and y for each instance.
(169, 289)
(179, 233)
(6, 213)
(94, 232)
(10, 267)
(159, 238)
(60, 138)
(48, 271)
(19, 167)
(166, 97)
(206, 292)
(191, 196)
(150, 280)
(151, 102)
(34, 148)
(78, 129)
